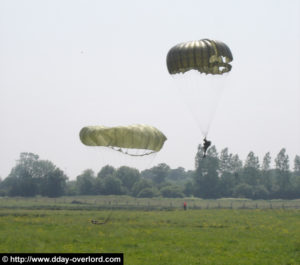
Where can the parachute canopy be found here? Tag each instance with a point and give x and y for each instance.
(206, 56)
(132, 137)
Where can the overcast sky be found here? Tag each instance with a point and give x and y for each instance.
(68, 64)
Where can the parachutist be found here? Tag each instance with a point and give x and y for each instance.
(206, 144)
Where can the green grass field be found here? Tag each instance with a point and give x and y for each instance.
(174, 236)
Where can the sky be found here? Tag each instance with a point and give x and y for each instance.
(66, 64)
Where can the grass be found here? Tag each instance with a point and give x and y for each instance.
(206, 236)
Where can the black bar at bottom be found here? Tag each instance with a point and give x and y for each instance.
(62, 258)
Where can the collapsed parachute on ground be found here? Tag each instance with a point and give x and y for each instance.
(138, 137)
(206, 56)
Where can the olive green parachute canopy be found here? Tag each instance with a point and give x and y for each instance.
(206, 56)
(132, 137)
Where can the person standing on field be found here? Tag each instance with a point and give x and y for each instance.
(184, 206)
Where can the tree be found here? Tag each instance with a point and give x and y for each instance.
(140, 185)
(188, 189)
(112, 186)
(71, 188)
(148, 193)
(98, 185)
(206, 175)
(225, 161)
(243, 190)
(157, 174)
(86, 182)
(54, 183)
(23, 178)
(229, 166)
(252, 161)
(176, 174)
(32, 176)
(28, 161)
(3, 191)
(236, 164)
(172, 191)
(227, 184)
(20, 183)
(296, 186)
(260, 192)
(52, 180)
(266, 172)
(266, 165)
(128, 176)
(297, 165)
(282, 173)
(106, 171)
(282, 161)
(251, 173)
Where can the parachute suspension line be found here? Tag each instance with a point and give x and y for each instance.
(146, 154)
(127, 153)
(217, 86)
(204, 134)
(209, 57)
(137, 152)
(200, 97)
(106, 220)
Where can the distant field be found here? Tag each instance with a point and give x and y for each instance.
(170, 236)
(130, 203)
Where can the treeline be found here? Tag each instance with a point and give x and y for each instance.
(217, 175)
(225, 175)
